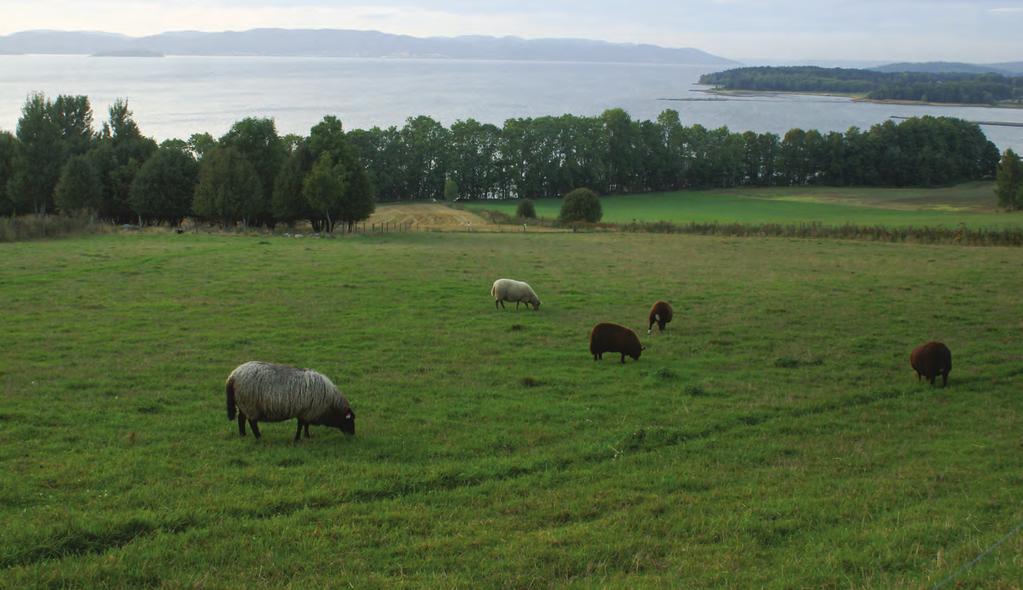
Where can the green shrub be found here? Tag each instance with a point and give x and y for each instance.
(526, 210)
(582, 204)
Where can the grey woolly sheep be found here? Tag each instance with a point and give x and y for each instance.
(512, 290)
(258, 391)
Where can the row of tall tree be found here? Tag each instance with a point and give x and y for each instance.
(612, 153)
(254, 176)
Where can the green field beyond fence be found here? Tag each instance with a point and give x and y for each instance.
(774, 437)
(970, 204)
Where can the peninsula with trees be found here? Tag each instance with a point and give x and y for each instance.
(989, 89)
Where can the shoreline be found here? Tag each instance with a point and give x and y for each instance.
(856, 98)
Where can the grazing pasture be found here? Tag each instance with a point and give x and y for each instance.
(775, 436)
(972, 204)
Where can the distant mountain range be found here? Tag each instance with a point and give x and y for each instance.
(946, 67)
(349, 43)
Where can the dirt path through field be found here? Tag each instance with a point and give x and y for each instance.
(435, 217)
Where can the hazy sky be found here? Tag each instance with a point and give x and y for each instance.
(957, 30)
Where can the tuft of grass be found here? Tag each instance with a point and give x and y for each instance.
(530, 382)
(665, 374)
(695, 390)
(787, 362)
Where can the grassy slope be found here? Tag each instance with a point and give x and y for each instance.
(971, 204)
(704, 464)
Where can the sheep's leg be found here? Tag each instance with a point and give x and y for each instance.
(255, 429)
(298, 433)
(944, 379)
(516, 305)
(496, 302)
(307, 430)
(623, 358)
(502, 303)
(241, 424)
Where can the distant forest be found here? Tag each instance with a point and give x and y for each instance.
(963, 88)
(58, 161)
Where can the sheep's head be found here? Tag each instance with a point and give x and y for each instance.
(536, 304)
(348, 422)
(343, 419)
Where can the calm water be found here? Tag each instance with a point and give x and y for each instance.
(178, 96)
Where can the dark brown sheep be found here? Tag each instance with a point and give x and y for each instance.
(930, 360)
(660, 314)
(607, 337)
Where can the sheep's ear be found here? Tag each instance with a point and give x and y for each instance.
(643, 347)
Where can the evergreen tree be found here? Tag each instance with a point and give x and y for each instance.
(39, 158)
(324, 189)
(358, 202)
(79, 188)
(1009, 181)
(118, 155)
(257, 140)
(8, 151)
(164, 187)
(288, 202)
(228, 189)
(450, 190)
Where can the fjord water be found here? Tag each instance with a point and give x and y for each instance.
(178, 96)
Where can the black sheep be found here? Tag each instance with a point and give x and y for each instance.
(930, 360)
(660, 314)
(607, 337)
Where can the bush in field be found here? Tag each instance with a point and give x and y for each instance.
(526, 210)
(582, 204)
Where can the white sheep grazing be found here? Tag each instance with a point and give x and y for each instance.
(517, 291)
(273, 393)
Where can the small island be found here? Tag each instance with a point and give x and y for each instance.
(129, 53)
(947, 89)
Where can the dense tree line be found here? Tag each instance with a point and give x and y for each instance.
(547, 157)
(985, 88)
(252, 176)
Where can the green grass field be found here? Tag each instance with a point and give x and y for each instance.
(971, 204)
(774, 437)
